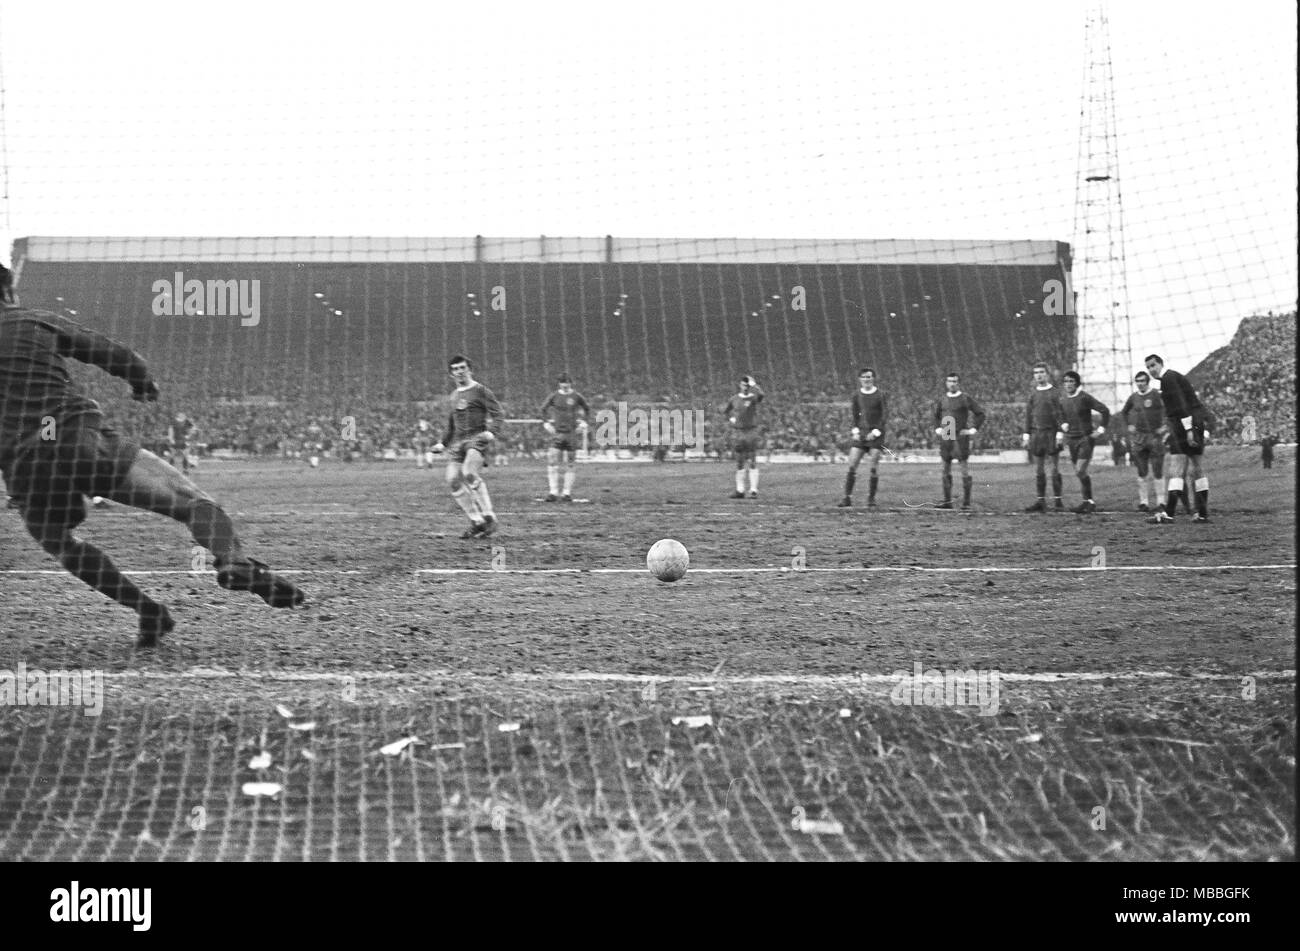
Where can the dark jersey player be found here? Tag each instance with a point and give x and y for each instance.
(564, 416)
(55, 450)
(957, 417)
(868, 434)
(1043, 436)
(1185, 417)
(471, 429)
(1144, 417)
(746, 434)
(1080, 435)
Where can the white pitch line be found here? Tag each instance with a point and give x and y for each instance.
(805, 680)
(841, 570)
(846, 569)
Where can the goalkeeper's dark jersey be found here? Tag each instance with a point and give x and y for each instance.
(473, 410)
(1179, 396)
(34, 381)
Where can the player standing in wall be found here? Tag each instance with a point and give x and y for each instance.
(957, 417)
(565, 418)
(471, 425)
(868, 434)
(1144, 417)
(1043, 436)
(1080, 435)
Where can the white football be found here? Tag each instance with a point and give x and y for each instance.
(667, 559)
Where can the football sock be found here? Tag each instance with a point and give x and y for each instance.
(966, 482)
(1203, 496)
(1142, 491)
(96, 569)
(1056, 485)
(465, 499)
(1187, 502)
(1040, 483)
(1085, 483)
(753, 480)
(947, 487)
(1175, 491)
(482, 499)
(553, 479)
(849, 480)
(569, 476)
(871, 487)
(740, 480)
(212, 528)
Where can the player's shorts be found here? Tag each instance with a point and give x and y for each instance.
(52, 479)
(746, 442)
(1080, 448)
(1042, 442)
(1146, 446)
(460, 449)
(566, 442)
(870, 445)
(950, 449)
(1178, 443)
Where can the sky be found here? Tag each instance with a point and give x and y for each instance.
(706, 119)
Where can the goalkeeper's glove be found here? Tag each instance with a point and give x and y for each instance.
(938, 430)
(855, 432)
(969, 432)
(1101, 431)
(1187, 423)
(874, 434)
(1060, 438)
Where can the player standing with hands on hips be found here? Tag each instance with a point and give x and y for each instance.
(1043, 436)
(1080, 436)
(475, 415)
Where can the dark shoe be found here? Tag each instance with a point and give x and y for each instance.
(844, 503)
(945, 504)
(1060, 506)
(474, 531)
(155, 622)
(1084, 508)
(737, 495)
(566, 498)
(753, 494)
(1199, 518)
(1038, 506)
(251, 575)
(489, 526)
(1143, 507)
(550, 497)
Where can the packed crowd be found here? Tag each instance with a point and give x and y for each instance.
(348, 411)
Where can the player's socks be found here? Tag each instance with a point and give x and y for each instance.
(553, 479)
(1056, 485)
(947, 487)
(1202, 486)
(850, 479)
(465, 499)
(740, 481)
(966, 483)
(1085, 482)
(569, 477)
(753, 480)
(1040, 483)
(1187, 503)
(871, 488)
(1175, 492)
(213, 529)
(483, 500)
